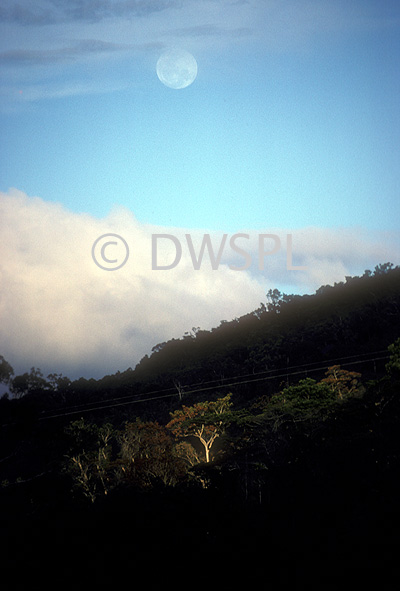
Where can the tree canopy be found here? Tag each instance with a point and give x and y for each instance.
(204, 421)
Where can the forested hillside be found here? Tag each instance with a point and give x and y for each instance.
(277, 432)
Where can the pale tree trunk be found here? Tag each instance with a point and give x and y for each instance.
(207, 444)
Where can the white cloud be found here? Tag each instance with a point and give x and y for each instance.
(62, 313)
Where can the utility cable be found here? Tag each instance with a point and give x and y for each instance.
(285, 374)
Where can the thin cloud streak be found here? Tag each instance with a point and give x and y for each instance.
(47, 91)
(49, 12)
(50, 56)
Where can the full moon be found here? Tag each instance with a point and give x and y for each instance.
(177, 68)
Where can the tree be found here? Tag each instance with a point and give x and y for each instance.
(146, 455)
(342, 382)
(274, 298)
(186, 452)
(90, 460)
(302, 401)
(307, 399)
(393, 365)
(60, 385)
(206, 421)
(29, 383)
(6, 371)
(383, 268)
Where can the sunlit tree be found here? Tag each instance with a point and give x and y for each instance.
(342, 382)
(206, 421)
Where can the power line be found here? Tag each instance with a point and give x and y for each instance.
(203, 389)
(218, 381)
(86, 404)
(80, 410)
(282, 375)
(329, 361)
(65, 414)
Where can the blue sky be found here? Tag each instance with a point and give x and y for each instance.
(291, 126)
(293, 119)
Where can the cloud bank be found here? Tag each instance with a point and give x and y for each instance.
(62, 313)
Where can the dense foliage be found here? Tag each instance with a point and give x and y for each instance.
(278, 430)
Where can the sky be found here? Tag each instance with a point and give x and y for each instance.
(291, 128)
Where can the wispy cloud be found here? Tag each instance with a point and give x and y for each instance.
(61, 312)
(48, 12)
(48, 91)
(210, 30)
(72, 53)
